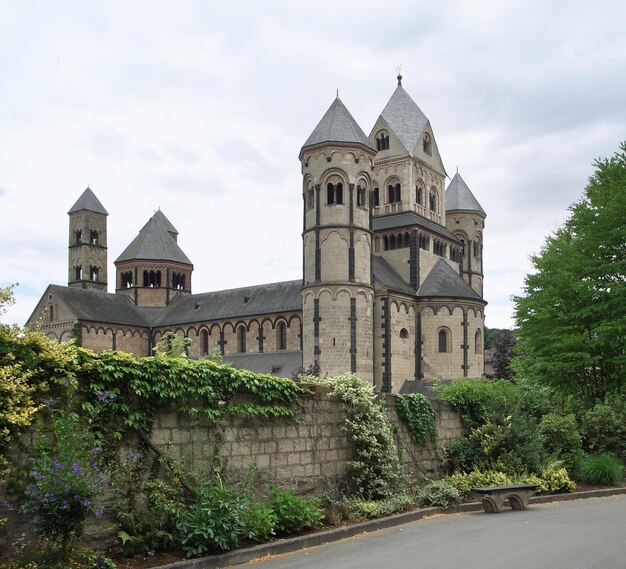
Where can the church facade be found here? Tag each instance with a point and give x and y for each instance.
(392, 284)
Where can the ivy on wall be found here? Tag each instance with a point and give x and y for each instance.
(417, 413)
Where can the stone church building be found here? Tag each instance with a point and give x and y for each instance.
(392, 284)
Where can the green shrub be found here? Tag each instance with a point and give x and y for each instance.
(603, 426)
(554, 479)
(561, 439)
(513, 446)
(259, 523)
(79, 558)
(212, 521)
(465, 481)
(604, 468)
(439, 493)
(364, 509)
(293, 513)
(395, 504)
(417, 413)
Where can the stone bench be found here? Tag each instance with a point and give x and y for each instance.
(494, 497)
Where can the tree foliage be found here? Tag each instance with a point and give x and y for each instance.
(571, 317)
(503, 352)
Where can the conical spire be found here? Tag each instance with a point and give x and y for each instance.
(460, 198)
(404, 118)
(88, 201)
(337, 125)
(154, 242)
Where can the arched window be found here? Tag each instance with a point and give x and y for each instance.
(93, 237)
(241, 339)
(394, 193)
(427, 144)
(382, 141)
(376, 197)
(152, 279)
(424, 242)
(477, 249)
(404, 334)
(205, 342)
(51, 313)
(392, 242)
(93, 274)
(361, 200)
(385, 243)
(334, 193)
(78, 273)
(78, 236)
(443, 340)
(406, 240)
(127, 279)
(281, 336)
(310, 198)
(432, 200)
(178, 281)
(419, 194)
(478, 342)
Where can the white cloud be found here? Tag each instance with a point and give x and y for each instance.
(201, 108)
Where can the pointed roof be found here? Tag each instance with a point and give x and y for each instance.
(94, 306)
(338, 125)
(155, 242)
(386, 275)
(89, 201)
(460, 197)
(444, 281)
(160, 217)
(405, 118)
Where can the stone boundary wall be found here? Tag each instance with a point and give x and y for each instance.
(308, 454)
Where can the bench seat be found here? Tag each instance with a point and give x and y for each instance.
(494, 497)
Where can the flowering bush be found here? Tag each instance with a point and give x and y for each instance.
(64, 480)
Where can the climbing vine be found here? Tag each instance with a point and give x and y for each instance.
(120, 392)
(375, 470)
(417, 413)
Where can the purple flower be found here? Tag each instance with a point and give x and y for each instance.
(85, 503)
(49, 402)
(99, 511)
(57, 466)
(76, 468)
(5, 504)
(104, 397)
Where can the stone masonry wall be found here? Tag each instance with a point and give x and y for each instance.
(308, 455)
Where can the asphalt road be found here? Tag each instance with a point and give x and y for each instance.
(581, 534)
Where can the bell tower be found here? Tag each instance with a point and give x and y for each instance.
(87, 262)
(337, 289)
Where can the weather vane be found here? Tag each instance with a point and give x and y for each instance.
(399, 68)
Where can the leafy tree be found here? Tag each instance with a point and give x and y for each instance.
(571, 317)
(503, 352)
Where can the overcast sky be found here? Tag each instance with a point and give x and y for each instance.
(200, 108)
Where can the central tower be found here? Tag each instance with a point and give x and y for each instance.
(337, 289)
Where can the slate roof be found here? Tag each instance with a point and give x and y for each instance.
(409, 218)
(281, 364)
(160, 217)
(405, 118)
(89, 201)
(460, 198)
(98, 306)
(386, 275)
(337, 125)
(444, 281)
(155, 242)
(244, 302)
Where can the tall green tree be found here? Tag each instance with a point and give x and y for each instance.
(571, 317)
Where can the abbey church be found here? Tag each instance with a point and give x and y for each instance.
(392, 284)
